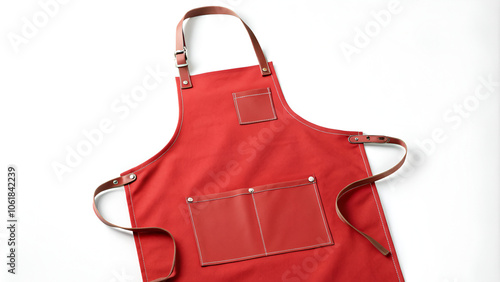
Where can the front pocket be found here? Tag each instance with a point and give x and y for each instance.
(259, 221)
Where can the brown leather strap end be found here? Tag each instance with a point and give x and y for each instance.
(379, 247)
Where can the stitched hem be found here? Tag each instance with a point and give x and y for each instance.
(138, 168)
(377, 200)
(298, 117)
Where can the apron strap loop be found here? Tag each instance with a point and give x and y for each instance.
(181, 51)
(122, 181)
(362, 139)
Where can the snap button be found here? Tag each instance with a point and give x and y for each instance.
(190, 200)
(115, 181)
(264, 69)
(311, 179)
(251, 190)
(132, 176)
(185, 82)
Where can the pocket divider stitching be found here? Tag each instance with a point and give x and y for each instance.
(257, 192)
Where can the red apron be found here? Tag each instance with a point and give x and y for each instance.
(253, 192)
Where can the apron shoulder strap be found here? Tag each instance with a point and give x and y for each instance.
(181, 51)
(363, 139)
(122, 181)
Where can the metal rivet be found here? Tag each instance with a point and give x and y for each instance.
(190, 200)
(132, 176)
(251, 190)
(115, 181)
(185, 82)
(356, 138)
(264, 69)
(311, 179)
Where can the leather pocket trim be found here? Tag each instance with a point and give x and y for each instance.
(260, 221)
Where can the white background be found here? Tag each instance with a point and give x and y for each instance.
(408, 80)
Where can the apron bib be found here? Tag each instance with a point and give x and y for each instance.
(250, 191)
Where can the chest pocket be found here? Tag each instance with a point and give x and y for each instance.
(254, 106)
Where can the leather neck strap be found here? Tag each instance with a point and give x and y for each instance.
(121, 181)
(363, 139)
(181, 51)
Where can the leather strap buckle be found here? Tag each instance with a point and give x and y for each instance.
(179, 52)
(181, 63)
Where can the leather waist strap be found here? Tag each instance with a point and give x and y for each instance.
(181, 51)
(362, 139)
(355, 139)
(121, 181)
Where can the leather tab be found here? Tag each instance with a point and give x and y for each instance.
(359, 139)
(185, 78)
(116, 182)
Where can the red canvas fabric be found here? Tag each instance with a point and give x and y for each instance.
(278, 231)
